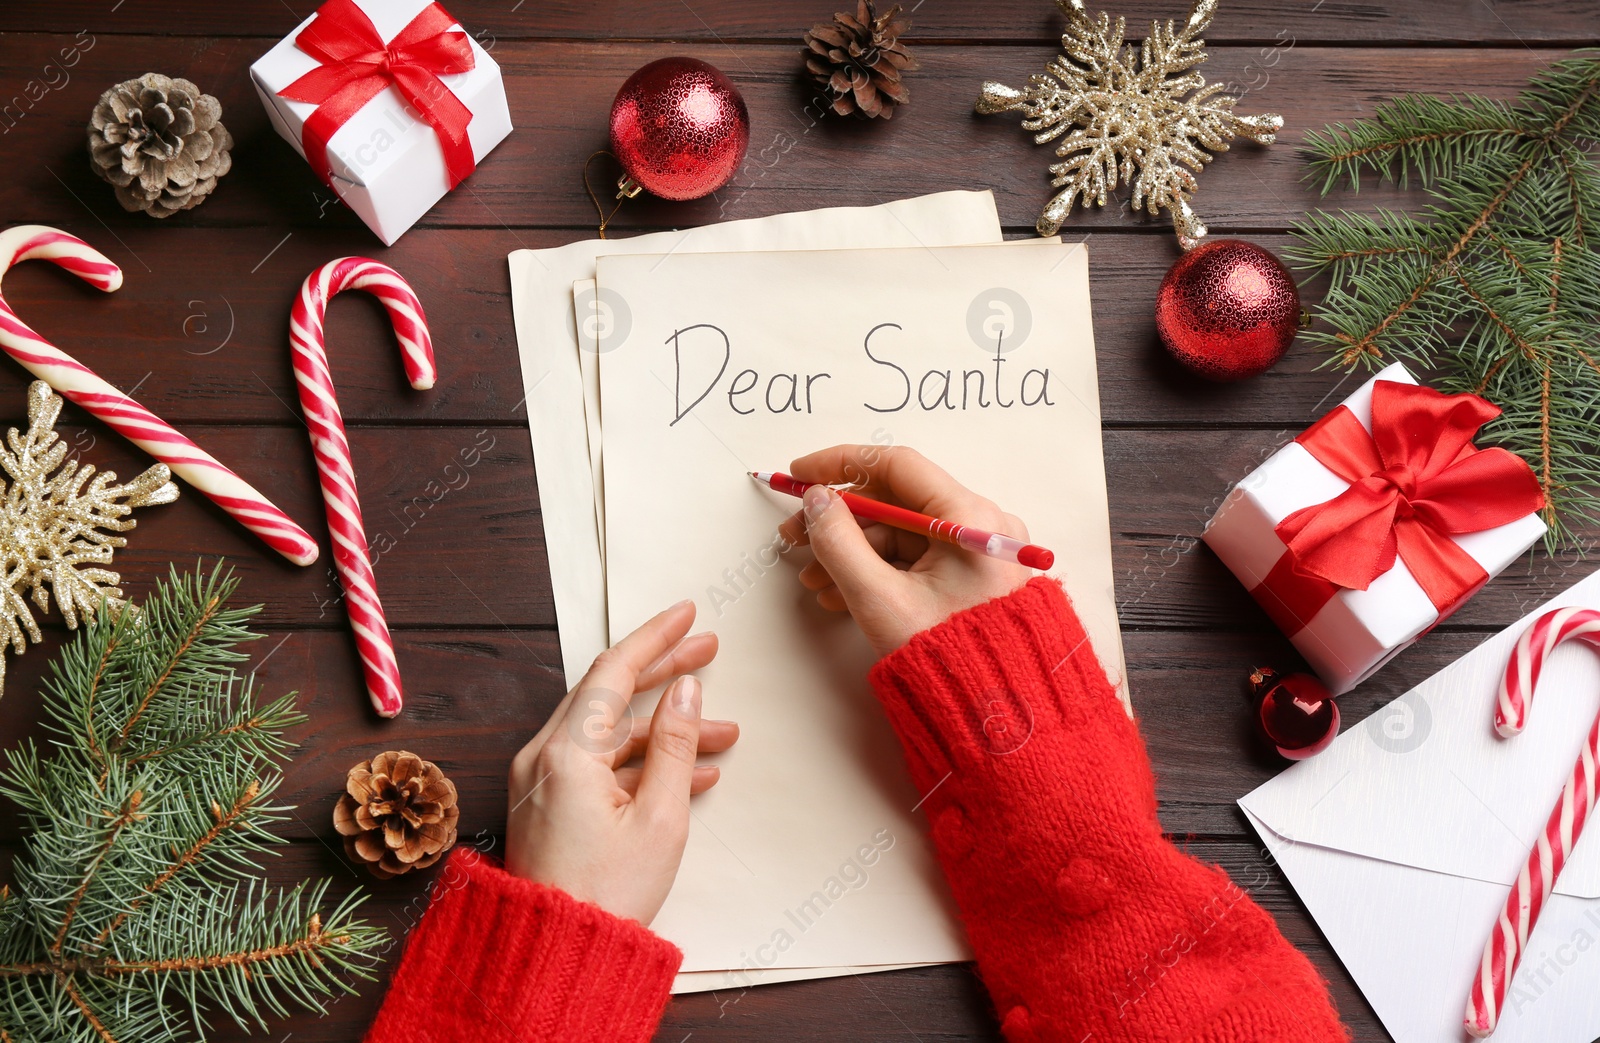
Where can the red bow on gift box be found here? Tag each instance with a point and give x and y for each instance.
(1415, 481)
(357, 65)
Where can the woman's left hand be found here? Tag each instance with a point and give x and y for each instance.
(582, 817)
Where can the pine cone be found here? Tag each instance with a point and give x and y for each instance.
(398, 813)
(857, 61)
(160, 142)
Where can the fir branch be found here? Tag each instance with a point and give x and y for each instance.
(1413, 134)
(65, 978)
(138, 909)
(93, 744)
(1509, 254)
(258, 730)
(1366, 347)
(173, 659)
(1575, 187)
(1496, 287)
(1545, 481)
(312, 944)
(129, 815)
(225, 820)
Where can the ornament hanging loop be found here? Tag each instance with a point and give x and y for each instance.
(627, 188)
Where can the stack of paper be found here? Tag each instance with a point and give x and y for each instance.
(659, 370)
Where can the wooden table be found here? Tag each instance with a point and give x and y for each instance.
(200, 330)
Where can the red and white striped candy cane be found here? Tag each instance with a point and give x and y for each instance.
(332, 448)
(1533, 885)
(78, 383)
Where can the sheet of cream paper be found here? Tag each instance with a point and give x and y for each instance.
(553, 394)
(779, 849)
(547, 344)
(732, 984)
(595, 321)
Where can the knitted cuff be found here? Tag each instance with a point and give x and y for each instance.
(499, 959)
(989, 680)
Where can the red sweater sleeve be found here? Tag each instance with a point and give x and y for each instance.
(1086, 921)
(498, 959)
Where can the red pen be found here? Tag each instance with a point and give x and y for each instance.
(995, 545)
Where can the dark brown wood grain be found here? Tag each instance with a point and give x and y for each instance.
(560, 94)
(936, 1003)
(706, 23)
(453, 524)
(221, 331)
(451, 514)
(473, 698)
(448, 485)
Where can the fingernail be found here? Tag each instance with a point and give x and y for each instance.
(686, 696)
(817, 499)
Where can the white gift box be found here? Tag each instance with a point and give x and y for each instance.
(386, 163)
(1357, 631)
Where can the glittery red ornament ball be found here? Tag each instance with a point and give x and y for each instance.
(1227, 310)
(1295, 712)
(680, 128)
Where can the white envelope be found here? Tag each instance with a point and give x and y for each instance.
(1403, 839)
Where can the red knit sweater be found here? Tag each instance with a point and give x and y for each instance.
(1087, 923)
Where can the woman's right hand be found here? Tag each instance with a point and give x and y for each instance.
(895, 584)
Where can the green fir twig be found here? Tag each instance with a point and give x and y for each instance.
(1495, 287)
(138, 908)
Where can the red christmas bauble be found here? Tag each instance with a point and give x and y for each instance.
(1295, 712)
(680, 128)
(1227, 310)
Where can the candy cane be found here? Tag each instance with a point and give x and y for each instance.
(1532, 889)
(332, 449)
(77, 383)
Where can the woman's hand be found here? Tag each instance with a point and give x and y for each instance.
(895, 583)
(586, 820)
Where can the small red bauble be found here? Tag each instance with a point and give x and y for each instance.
(679, 128)
(1227, 310)
(1295, 712)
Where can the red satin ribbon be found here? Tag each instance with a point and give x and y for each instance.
(357, 65)
(1415, 481)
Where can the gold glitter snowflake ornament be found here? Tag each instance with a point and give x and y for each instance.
(1142, 118)
(50, 526)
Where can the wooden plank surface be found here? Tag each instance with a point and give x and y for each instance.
(199, 330)
(562, 91)
(712, 22)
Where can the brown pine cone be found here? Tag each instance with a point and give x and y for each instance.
(398, 813)
(160, 142)
(857, 61)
